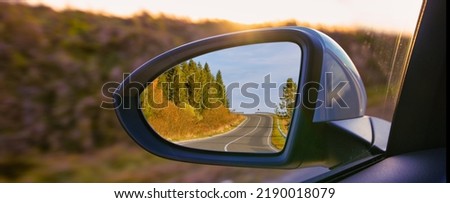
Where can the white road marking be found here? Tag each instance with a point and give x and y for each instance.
(185, 142)
(226, 146)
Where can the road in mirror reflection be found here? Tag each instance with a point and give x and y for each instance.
(238, 99)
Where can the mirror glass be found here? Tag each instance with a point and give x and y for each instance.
(238, 99)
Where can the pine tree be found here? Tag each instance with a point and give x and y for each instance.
(221, 92)
(193, 85)
(165, 82)
(180, 94)
(207, 80)
(197, 96)
(207, 72)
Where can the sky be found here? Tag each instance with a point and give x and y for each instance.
(396, 15)
(248, 67)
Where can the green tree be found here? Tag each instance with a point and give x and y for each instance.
(165, 82)
(207, 80)
(287, 103)
(197, 87)
(221, 92)
(180, 92)
(193, 85)
(207, 73)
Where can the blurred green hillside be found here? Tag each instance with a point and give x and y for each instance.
(52, 68)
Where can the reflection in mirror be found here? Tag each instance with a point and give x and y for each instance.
(238, 99)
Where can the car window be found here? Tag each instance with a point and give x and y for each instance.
(75, 52)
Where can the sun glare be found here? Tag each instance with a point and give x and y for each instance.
(384, 14)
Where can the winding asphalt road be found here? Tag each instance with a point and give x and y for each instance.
(252, 135)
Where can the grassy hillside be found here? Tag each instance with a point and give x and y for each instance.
(183, 121)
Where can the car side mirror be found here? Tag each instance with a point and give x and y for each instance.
(179, 105)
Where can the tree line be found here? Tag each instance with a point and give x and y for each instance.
(193, 83)
(287, 102)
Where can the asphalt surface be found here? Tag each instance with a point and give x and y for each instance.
(252, 135)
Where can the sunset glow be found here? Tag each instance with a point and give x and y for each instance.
(397, 15)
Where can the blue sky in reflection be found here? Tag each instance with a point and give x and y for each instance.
(252, 64)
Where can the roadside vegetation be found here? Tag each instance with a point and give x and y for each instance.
(283, 123)
(278, 139)
(283, 114)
